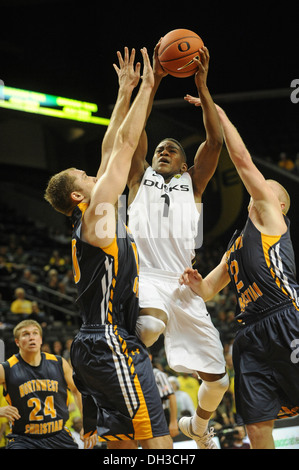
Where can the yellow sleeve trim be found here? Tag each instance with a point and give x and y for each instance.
(13, 360)
(50, 357)
(267, 242)
(112, 249)
(83, 206)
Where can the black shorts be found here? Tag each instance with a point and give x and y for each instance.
(61, 440)
(114, 368)
(266, 363)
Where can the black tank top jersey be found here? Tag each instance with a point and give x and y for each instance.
(106, 279)
(39, 393)
(262, 270)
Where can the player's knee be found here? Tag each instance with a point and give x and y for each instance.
(148, 329)
(260, 434)
(210, 394)
(223, 383)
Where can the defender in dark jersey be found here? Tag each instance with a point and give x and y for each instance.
(112, 367)
(36, 388)
(260, 263)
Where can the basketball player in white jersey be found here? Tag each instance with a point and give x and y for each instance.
(164, 202)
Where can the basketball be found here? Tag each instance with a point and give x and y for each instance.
(177, 50)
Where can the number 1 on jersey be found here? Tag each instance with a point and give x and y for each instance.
(166, 205)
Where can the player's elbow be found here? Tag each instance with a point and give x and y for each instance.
(215, 138)
(241, 158)
(214, 144)
(127, 139)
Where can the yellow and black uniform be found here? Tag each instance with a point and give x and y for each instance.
(40, 395)
(263, 273)
(112, 368)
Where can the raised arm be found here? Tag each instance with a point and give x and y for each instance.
(266, 202)
(113, 182)
(252, 178)
(207, 155)
(139, 163)
(128, 78)
(265, 198)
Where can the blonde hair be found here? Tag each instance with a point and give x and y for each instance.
(25, 324)
(282, 194)
(59, 189)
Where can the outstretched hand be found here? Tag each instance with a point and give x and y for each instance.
(128, 75)
(203, 67)
(157, 67)
(197, 102)
(193, 100)
(148, 74)
(191, 278)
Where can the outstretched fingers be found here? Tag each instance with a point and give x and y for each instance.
(193, 100)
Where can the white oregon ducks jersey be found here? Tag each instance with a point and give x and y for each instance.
(164, 221)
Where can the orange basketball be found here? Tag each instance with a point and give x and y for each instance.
(177, 50)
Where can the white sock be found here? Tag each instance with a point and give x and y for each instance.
(199, 425)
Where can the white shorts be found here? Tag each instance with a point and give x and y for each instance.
(192, 343)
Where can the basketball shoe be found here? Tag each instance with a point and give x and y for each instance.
(203, 442)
